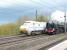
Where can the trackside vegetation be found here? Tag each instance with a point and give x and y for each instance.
(8, 29)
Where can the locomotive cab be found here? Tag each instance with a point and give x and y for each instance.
(51, 28)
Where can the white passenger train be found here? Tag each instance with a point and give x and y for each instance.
(32, 27)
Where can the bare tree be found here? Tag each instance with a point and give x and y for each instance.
(22, 19)
(42, 18)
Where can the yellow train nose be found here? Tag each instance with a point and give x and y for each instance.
(23, 30)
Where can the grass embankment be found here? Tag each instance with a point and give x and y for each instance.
(8, 29)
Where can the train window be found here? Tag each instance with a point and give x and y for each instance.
(33, 23)
(50, 25)
(38, 24)
(26, 23)
(65, 49)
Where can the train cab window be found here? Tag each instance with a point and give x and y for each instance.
(33, 23)
(26, 23)
(65, 49)
(50, 25)
(38, 24)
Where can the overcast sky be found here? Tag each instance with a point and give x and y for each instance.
(11, 10)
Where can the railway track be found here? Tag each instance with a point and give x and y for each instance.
(18, 40)
(4, 40)
(7, 41)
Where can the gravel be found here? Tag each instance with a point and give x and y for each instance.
(37, 43)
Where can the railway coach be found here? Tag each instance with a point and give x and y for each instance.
(32, 27)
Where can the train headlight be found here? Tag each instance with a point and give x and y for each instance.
(23, 29)
(46, 30)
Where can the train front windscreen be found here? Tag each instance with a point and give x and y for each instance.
(50, 25)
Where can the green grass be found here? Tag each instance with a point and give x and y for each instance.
(8, 29)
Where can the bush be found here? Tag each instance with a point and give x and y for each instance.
(8, 29)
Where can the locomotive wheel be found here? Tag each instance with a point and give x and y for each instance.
(33, 33)
(57, 32)
(54, 33)
(28, 34)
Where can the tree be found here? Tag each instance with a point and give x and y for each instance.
(42, 18)
(22, 19)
